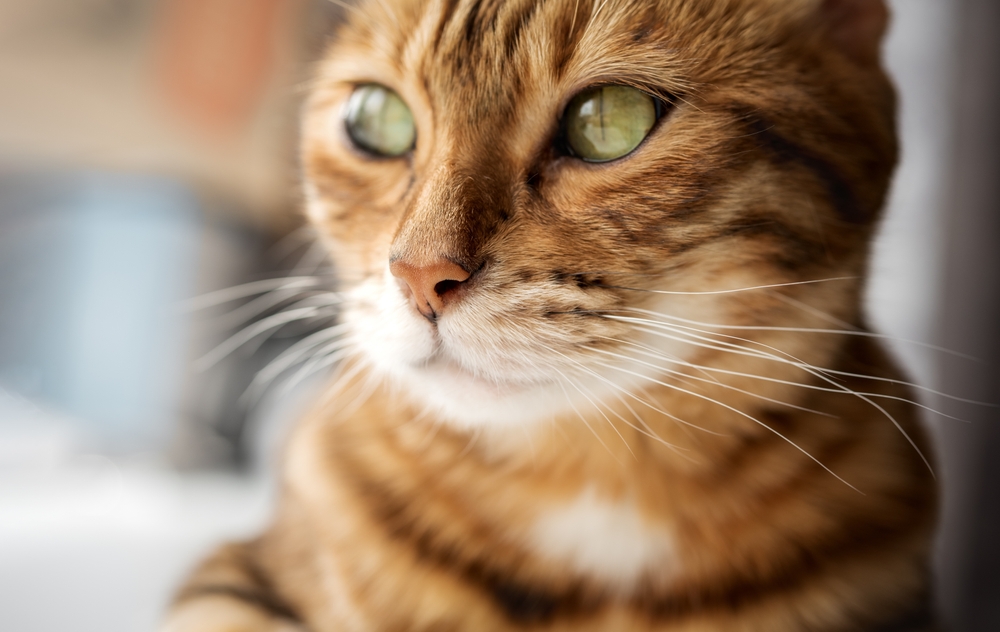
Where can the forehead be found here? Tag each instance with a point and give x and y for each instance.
(487, 55)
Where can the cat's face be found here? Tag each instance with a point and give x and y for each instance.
(495, 263)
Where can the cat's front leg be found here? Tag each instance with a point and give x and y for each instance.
(219, 613)
(230, 593)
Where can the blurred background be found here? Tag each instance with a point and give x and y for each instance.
(147, 157)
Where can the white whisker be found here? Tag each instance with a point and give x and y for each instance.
(582, 418)
(342, 378)
(817, 372)
(809, 330)
(811, 387)
(738, 412)
(624, 391)
(606, 418)
(682, 329)
(227, 295)
(293, 355)
(244, 336)
(809, 309)
(315, 366)
(645, 430)
(714, 382)
(733, 291)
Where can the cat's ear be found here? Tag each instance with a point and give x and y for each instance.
(856, 27)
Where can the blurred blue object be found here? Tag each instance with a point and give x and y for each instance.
(92, 268)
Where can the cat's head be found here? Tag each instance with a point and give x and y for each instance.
(533, 203)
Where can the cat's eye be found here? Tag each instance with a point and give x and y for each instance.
(379, 121)
(608, 122)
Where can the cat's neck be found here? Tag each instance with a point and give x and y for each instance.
(618, 496)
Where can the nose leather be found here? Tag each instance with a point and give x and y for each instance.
(429, 286)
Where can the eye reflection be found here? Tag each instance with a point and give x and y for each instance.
(608, 122)
(379, 122)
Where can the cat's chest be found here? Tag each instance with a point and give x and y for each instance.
(607, 541)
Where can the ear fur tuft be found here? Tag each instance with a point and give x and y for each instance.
(856, 27)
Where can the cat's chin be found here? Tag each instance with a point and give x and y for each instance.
(465, 400)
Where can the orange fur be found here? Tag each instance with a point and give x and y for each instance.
(613, 425)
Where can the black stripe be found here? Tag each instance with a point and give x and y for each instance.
(797, 249)
(472, 23)
(764, 133)
(446, 13)
(256, 598)
(525, 603)
(520, 20)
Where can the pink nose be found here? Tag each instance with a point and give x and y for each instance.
(429, 286)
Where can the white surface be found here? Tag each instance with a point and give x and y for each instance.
(93, 547)
(907, 268)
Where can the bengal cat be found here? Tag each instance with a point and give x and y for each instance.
(606, 363)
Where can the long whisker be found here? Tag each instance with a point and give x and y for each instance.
(368, 388)
(580, 415)
(342, 378)
(682, 329)
(733, 291)
(266, 302)
(654, 353)
(316, 365)
(636, 398)
(713, 382)
(294, 354)
(809, 330)
(811, 387)
(247, 312)
(311, 261)
(809, 309)
(247, 334)
(291, 355)
(291, 242)
(606, 418)
(738, 412)
(822, 376)
(254, 288)
(647, 431)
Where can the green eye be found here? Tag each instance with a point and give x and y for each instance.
(379, 122)
(608, 122)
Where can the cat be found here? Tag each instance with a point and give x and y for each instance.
(605, 362)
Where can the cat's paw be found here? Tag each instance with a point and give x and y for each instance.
(220, 614)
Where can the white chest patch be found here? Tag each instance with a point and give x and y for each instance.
(608, 541)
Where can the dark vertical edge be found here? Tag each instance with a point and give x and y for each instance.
(968, 554)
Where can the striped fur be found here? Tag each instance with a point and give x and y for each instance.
(609, 428)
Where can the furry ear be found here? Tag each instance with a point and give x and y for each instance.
(856, 27)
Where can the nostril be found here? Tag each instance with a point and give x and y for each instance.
(430, 285)
(446, 286)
